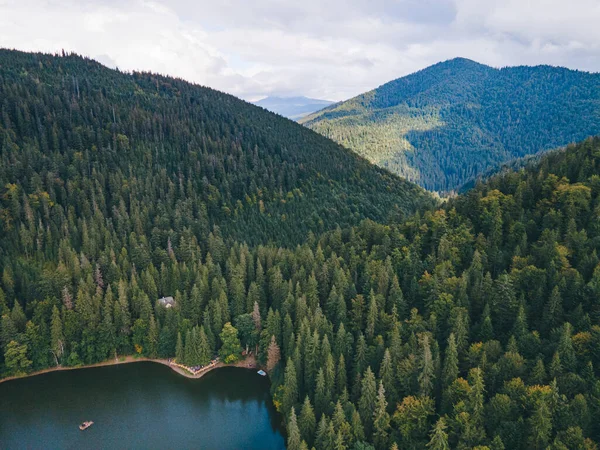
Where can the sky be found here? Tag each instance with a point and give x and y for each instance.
(328, 49)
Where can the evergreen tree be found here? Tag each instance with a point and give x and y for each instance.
(203, 350)
(381, 420)
(294, 439)
(273, 355)
(56, 336)
(15, 359)
(439, 437)
(290, 386)
(321, 394)
(450, 370)
(179, 353)
(540, 426)
(368, 400)
(427, 368)
(307, 422)
(231, 348)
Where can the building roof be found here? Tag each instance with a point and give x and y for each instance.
(167, 302)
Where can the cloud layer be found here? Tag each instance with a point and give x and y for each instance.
(324, 49)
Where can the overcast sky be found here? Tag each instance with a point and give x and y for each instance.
(331, 49)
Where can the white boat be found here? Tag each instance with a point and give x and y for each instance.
(86, 425)
(262, 373)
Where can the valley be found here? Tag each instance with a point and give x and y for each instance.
(142, 216)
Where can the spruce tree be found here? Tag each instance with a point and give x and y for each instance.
(368, 400)
(450, 370)
(307, 422)
(439, 437)
(381, 420)
(290, 386)
(179, 353)
(294, 439)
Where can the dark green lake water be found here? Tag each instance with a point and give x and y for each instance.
(142, 405)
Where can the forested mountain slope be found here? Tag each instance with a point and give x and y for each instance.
(476, 325)
(87, 148)
(450, 122)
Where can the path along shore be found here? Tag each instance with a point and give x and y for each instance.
(249, 362)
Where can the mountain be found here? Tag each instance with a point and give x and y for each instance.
(446, 124)
(81, 143)
(292, 107)
(472, 325)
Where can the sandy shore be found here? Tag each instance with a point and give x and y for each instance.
(248, 362)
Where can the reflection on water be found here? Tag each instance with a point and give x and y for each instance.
(140, 405)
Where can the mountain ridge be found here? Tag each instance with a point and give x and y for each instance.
(448, 123)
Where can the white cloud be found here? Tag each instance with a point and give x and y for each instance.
(332, 49)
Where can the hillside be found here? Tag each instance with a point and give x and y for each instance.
(85, 149)
(292, 107)
(446, 124)
(473, 326)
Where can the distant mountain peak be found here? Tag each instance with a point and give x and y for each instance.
(292, 107)
(454, 120)
(459, 60)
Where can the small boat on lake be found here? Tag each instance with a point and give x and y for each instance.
(262, 373)
(85, 425)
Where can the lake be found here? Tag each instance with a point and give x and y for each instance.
(139, 405)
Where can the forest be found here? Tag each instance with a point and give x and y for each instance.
(471, 325)
(449, 123)
(174, 156)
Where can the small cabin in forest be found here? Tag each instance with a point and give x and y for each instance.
(167, 302)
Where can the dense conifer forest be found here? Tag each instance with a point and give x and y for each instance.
(449, 123)
(167, 154)
(474, 325)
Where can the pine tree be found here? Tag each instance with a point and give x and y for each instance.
(179, 353)
(290, 386)
(372, 316)
(486, 329)
(341, 382)
(538, 373)
(57, 338)
(339, 442)
(340, 424)
(368, 400)
(307, 422)
(556, 368)
(475, 431)
(273, 355)
(321, 440)
(439, 437)
(189, 359)
(294, 439)
(358, 431)
(256, 316)
(151, 341)
(553, 311)
(381, 420)
(329, 373)
(540, 426)
(321, 394)
(386, 374)
(450, 370)
(497, 443)
(427, 368)
(203, 351)
(565, 348)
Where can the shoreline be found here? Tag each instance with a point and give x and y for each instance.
(248, 363)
